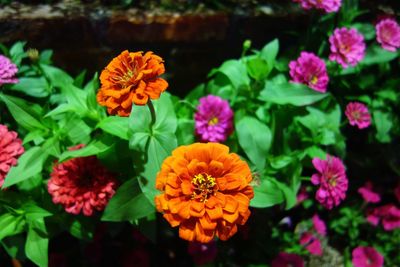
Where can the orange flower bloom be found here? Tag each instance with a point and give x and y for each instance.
(206, 191)
(131, 78)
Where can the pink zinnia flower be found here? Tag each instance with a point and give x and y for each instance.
(81, 184)
(332, 180)
(389, 215)
(287, 260)
(8, 70)
(358, 114)
(213, 119)
(367, 257)
(368, 194)
(327, 5)
(388, 34)
(319, 225)
(10, 150)
(311, 243)
(310, 70)
(347, 47)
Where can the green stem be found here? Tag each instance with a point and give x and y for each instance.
(153, 115)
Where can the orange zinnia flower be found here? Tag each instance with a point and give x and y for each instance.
(206, 191)
(131, 78)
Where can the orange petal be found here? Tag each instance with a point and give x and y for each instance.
(186, 230)
(184, 212)
(196, 208)
(216, 168)
(231, 204)
(169, 190)
(215, 213)
(187, 187)
(225, 230)
(231, 217)
(174, 220)
(207, 223)
(202, 235)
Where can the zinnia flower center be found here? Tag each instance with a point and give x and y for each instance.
(314, 79)
(204, 186)
(213, 121)
(356, 115)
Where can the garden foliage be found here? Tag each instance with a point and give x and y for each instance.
(282, 126)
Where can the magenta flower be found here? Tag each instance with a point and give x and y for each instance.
(309, 70)
(367, 257)
(81, 185)
(388, 214)
(311, 243)
(358, 114)
(347, 47)
(10, 150)
(388, 34)
(8, 70)
(327, 5)
(287, 259)
(319, 225)
(332, 180)
(368, 194)
(213, 119)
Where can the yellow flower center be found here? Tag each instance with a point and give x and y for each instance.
(314, 80)
(204, 186)
(213, 121)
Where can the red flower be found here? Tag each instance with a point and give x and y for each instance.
(81, 184)
(10, 150)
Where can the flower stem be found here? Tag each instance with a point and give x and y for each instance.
(153, 114)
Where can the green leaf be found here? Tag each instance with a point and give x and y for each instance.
(45, 56)
(324, 126)
(37, 243)
(11, 225)
(160, 147)
(376, 55)
(157, 141)
(56, 76)
(366, 29)
(94, 148)
(290, 93)
(255, 138)
(289, 194)
(82, 228)
(118, 126)
(29, 164)
(267, 194)
(280, 161)
(383, 125)
(236, 72)
(128, 204)
(26, 114)
(257, 68)
(36, 87)
(185, 132)
(17, 52)
(33, 212)
(77, 130)
(269, 53)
